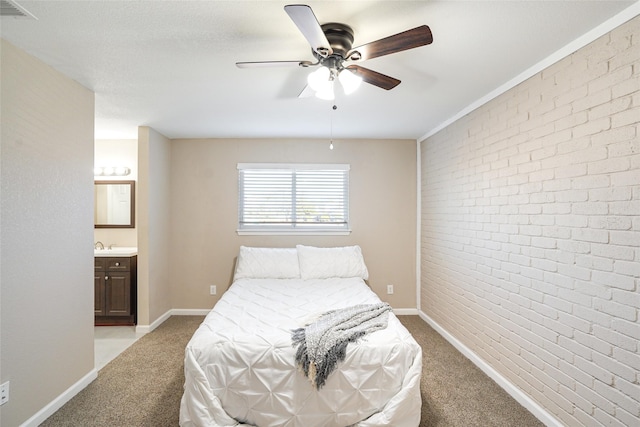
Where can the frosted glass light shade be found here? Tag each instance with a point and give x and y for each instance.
(349, 81)
(319, 79)
(111, 171)
(326, 93)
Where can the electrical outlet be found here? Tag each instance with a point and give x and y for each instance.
(213, 290)
(4, 393)
(389, 289)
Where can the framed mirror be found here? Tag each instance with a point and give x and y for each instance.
(114, 204)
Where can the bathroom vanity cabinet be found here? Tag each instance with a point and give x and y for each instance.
(115, 290)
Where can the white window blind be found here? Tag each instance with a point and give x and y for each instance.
(293, 197)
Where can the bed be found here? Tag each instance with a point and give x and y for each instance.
(240, 367)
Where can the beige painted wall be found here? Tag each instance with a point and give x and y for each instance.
(47, 232)
(154, 250)
(531, 233)
(204, 211)
(120, 152)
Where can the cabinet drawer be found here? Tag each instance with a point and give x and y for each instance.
(99, 264)
(118, 264)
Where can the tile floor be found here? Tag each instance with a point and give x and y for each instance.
(110, 341)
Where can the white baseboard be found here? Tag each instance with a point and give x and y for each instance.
(145, 329)
(59, 401)
(545, 417)
(190, 311)
(405, 311)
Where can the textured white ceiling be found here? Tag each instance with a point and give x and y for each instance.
(171, 64)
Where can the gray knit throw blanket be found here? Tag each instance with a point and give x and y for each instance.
(323, 343)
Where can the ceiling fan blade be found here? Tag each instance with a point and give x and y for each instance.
(266, 64)
(305, 19)
(374, 78)
(306, 92)
(409, 39)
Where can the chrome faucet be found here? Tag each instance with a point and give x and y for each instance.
(98, 245)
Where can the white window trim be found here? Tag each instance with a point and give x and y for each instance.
(267, 231)
(328, 232)
(299, 166)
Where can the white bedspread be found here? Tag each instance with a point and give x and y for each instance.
(240, 367)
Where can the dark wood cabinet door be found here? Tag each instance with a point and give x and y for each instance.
(118, 294)
(98, 294)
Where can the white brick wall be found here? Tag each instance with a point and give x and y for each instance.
(531, 233)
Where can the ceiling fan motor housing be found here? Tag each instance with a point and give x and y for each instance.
(340, 37)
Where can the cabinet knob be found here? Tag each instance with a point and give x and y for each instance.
(106, 277)
(117, 264)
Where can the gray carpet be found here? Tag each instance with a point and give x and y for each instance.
(455, 392)
(142, 387)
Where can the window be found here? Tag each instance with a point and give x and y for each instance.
(293, 198)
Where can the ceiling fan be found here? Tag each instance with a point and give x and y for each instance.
(331, 45)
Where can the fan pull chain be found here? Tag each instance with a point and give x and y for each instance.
(335, 107)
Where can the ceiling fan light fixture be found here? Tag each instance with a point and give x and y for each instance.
(332, 46)
(349, 81)
(320, 79)
(326, 92)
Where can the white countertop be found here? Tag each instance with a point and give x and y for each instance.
(116, 251)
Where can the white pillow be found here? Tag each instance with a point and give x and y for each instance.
(267, 263)
(324, 263)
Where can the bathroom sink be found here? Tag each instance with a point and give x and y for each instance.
(116, 251)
